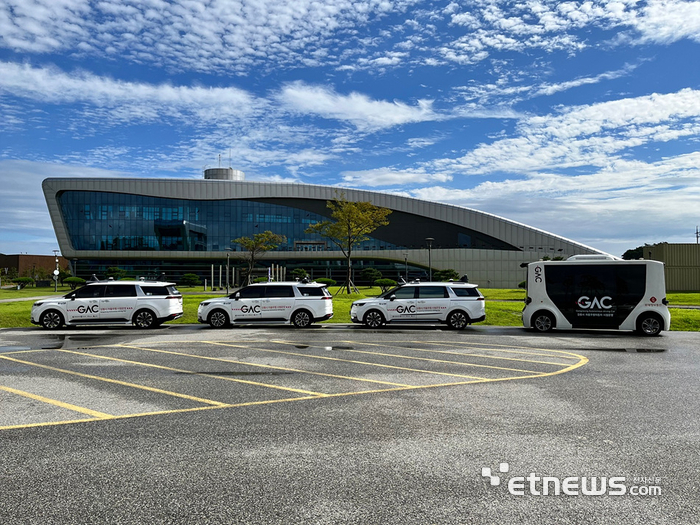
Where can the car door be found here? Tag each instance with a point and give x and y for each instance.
(118, 302)
(403, 305)
(432, 302)
(84, 305)
(278, 302)
(246, 305)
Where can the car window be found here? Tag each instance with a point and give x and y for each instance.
(88, 292)
(156, 290)
(120, 290)
(252, 292)
(432, 292)
(279, 291)
(312, 291)
(407, 292)
(466, 292)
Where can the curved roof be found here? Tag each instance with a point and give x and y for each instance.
(515, 235)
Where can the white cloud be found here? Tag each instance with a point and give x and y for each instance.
(391, 177)
(364, 113)
(585, 135)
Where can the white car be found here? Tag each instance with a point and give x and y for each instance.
(145, 304)
(299, 303)
(457, 304)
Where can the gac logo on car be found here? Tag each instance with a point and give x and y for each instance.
(250, 309)
(88, 309)
(600, 304)
(406, 309)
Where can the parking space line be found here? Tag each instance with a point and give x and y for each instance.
(441, 361)
(117, 382)
(75, 408)
(299, 370)
(524, 349)
(244, 381)
(464, 355)
(347, 361)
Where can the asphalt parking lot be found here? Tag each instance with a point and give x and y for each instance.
(185, 424)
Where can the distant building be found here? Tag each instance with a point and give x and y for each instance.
(682, 265)
(27, 265)
(154, 226)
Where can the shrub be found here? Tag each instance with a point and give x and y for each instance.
(189, 279)
(385, 284)
(74, 282)
(370, 274)
(299, 273)
(327, 282)
(23, 282)
(260, 280)
(445, 275)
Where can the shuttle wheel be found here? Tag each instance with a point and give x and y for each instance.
(649, 324)
(543, 322)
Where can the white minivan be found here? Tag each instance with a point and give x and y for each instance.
(596, 291)
(299, 303)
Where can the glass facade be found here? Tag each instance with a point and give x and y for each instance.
(117, 221)
(114, 222)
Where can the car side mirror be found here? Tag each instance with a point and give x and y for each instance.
(392, 297)
(237, 296)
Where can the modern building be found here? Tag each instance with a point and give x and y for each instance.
(155, 226)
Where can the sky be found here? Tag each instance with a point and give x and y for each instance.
(578, 118)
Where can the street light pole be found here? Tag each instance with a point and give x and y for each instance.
(430, 240)
(228, 270)
(55, 272)
(405, 265)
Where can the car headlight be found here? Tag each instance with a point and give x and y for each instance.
(204, 304)
(36, 304)
(358, 304)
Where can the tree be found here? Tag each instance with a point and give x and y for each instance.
(635, 253)
(299, 273)
(257, 245)
(116, 273)
(385, 284)
(370, 275)
(352, 223)
(74, 282)
(189, 279)
(445, 275)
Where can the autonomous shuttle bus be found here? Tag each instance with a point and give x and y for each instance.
(596, 291)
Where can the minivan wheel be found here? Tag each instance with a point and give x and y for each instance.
(144, 319)
(218, 319)
(543, 322)
(373, 319)
(51, 319)
(458, 320)
(301, 319)
(649, 324)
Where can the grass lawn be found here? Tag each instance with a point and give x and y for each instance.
(503, 307)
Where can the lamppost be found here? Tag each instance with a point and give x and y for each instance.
(405, 265)
(228, 270)
(55, 272)
(430, 240)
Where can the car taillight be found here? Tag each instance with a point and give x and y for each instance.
(327, 297)
(481, 298)
(173, 297)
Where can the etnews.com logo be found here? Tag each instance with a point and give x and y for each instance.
(570, 486)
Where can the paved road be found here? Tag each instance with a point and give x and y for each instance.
(336, 424)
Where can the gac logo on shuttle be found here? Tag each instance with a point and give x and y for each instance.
(250, 309)
(601, 304)
(88, 309)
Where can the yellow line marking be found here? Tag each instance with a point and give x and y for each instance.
(524, 349)
(117, 382)
(441, 361)
(258, 365)
(464, 354)
(55, 402)
(345, 360)
(26, 351)
(244, 381)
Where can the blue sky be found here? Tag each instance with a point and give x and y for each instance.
(580, 118)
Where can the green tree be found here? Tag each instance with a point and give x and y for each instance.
(257, 245)
(299, 273)
(74, 282)
(352, 223)
(635, 253)
(22, 282)
(116, 273)
(370, 275)
(445, 275)
(189, 279)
